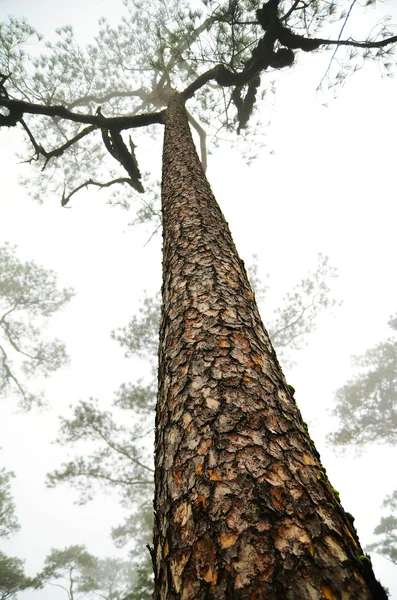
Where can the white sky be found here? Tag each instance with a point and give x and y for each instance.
(329, 187)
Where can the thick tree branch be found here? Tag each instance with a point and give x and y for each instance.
(264, 56)
(115, 145)
(18, 108)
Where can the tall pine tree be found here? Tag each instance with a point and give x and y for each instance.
(243, 507)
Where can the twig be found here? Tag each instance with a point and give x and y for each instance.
(65, 199)
(57, 151)
(336, 49)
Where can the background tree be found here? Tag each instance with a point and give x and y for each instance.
(13, 578)
(85, 576)
(8, 520)
(72, 567)
(12, 573)
(118, 579)
(366, 407)
(28, 298)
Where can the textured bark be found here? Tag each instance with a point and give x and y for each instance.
(243, 508)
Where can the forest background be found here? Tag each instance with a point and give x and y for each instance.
(322, 182)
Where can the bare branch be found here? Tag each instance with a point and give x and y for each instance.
(293, 8)
(57, 151)
(65, 199)
(10, 374)
(202, 136)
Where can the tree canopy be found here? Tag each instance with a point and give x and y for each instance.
(366, 408)
(28, 298)
(216, 53)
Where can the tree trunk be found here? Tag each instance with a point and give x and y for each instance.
(243, 508)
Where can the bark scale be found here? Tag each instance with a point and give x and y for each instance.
(243, 508)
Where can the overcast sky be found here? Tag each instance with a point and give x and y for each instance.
(324, 182)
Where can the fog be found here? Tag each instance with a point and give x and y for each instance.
(323, 181)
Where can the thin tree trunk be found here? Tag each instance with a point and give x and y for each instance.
(243, 508)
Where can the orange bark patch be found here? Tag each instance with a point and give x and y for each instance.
(211, 575)
(241, 342)
(231, 281)
(214, 476)
(177, 477)
(257, 358)
(200, 469)
(327, 592)
(308, 460)
(278, 497)
(166, 549)
(201, 503)
(224, 343)
(204, 446)
(227, 539)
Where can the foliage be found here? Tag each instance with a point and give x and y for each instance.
(118, 462)
(366, 407)
(28, 298)
(387, 528)
(185, 44)
(13, 578)
(387, 545)
(12, 574)
(81, 574)
(8, 521)
(72, 566)
(117, 579)
(295, 316)
(140, 336)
